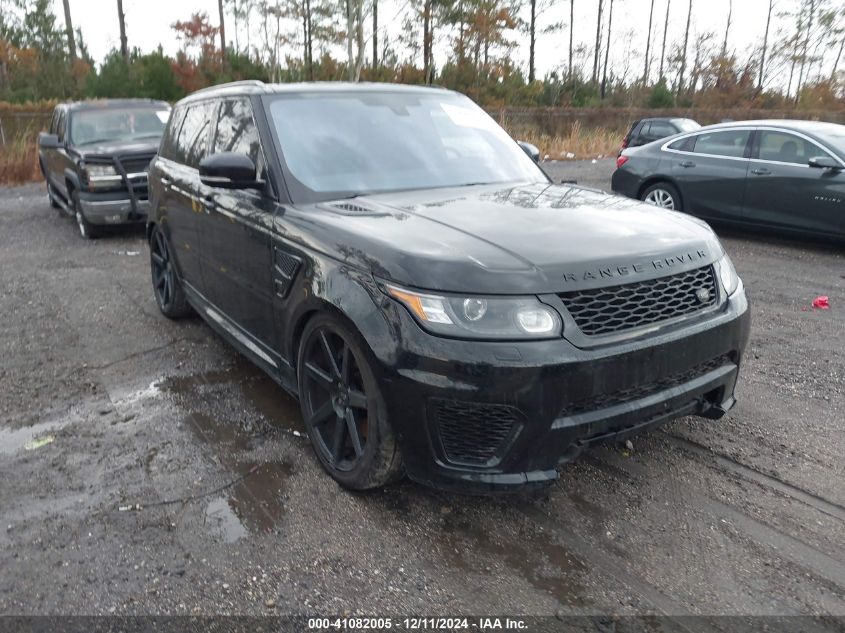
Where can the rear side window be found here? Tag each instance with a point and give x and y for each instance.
(661, 129)
(192, 142)
(171, 134)
(723, 143)
(236, 132)
(787, 148)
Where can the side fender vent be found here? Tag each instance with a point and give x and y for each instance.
(285, 267)
(351, 207)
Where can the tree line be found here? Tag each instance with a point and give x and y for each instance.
(467, 45)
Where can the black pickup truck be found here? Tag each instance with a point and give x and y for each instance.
(95, 158)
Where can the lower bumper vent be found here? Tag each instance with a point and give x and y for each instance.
(473, 433)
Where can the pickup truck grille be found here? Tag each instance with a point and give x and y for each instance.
(136, 164)
(602, 311)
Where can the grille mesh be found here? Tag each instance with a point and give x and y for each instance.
(136, 164)
(473, 433)
(605, 400)
(618, 308)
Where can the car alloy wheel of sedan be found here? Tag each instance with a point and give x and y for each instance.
(660, 198)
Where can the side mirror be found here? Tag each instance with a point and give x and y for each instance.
(229, 171)
(824, 162)
(531, 150)
(48, 141)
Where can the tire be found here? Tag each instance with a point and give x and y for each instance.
(167, 288)
(663, 195)
(51, 196)
(339, 396)
(87, 230)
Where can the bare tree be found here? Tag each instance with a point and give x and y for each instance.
(684, 51)
(571, 31)
(124, 45)
(809, 28)
(765, 46)
(648, 43)
(607, 50)
(222, 29)
(532, 39)
(727, 28)
(375, 33)
(71, 41)
(665, 31)
(838, 57)
(598, 45)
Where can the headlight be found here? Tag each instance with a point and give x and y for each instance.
(727, 274)
(98, 171)
(480, 317)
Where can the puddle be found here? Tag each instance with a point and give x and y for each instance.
(267, 398)
(256, 503)
(222, 520)
(546, 565)
(13, 440)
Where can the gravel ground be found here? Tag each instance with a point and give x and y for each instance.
(146, 468)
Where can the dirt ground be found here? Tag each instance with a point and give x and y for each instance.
(147, 468)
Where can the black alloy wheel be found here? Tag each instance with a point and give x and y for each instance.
(343, 408)
(169, 294)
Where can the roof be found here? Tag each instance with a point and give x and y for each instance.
(253, 87)
(94, 104)
(799, 125)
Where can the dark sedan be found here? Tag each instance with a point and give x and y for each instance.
(783, 175)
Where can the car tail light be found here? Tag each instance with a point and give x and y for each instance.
(621, 161)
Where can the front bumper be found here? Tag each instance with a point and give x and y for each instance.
(484, 416)
(113, 208)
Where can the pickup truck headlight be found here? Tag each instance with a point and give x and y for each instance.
(98, 171)
(477, 317)
(727, 275)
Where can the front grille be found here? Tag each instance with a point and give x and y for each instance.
(137, 164)
(606, 400)
(619, 308)
(473, 433)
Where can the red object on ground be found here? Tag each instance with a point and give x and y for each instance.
(822, 302)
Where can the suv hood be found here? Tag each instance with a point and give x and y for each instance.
(527, 239)
(109, 149)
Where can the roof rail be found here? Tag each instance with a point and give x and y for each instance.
(232, 84)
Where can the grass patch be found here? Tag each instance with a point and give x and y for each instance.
(579, 144)
(19, 160)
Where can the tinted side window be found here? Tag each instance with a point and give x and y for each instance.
(192, 142)
(61, 126)
(236, 132)
(171, 134)
(661, 129)
(54, 122)
(725, 143)
(684, 144)
(787, 148)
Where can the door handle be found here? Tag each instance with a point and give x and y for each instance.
(165, 182)
(761, 171)
(686, 164)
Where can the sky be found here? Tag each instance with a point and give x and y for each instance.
(148, 25)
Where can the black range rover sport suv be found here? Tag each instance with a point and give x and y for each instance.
(393, 258)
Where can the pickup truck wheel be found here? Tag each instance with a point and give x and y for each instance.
(343, 408)
(87, 230)
(169, 294)
(51, 196)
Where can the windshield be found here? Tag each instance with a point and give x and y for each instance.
(346, 144)
(117, 124)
